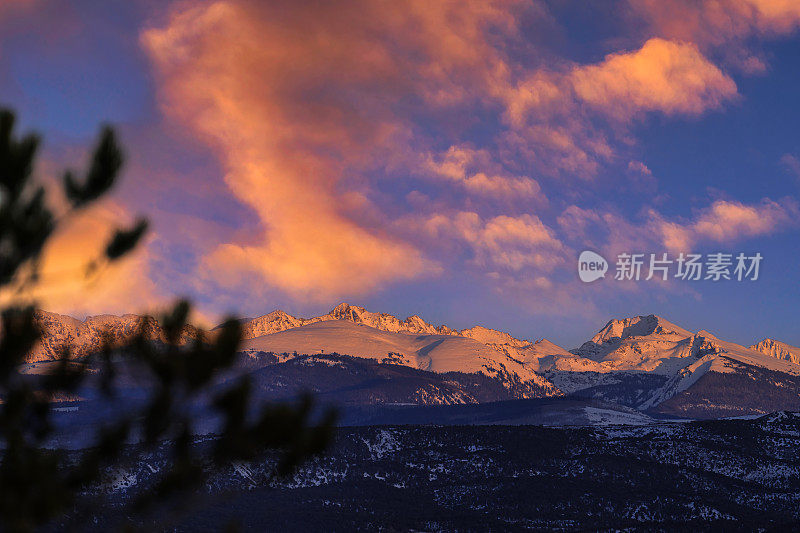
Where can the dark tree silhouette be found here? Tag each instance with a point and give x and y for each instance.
(37, 483)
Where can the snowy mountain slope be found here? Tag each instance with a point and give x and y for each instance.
(349, 330)
(87, 336)
(278, 320)
(753, 357)
(430, 352)
(642, 343)
(522, 355)
(639, 326)
(537, 356)
(779, 350)
(740, 389)
(613, 364)
(351, 381)
(653, 344)
(639, 362)
(492, 336)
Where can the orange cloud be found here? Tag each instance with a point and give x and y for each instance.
(719, 21)
(781, 16)
(64, 287)
(664, 76)
(311, 108)
(300, 102)
(552, 113)
(673, 78)
(292, 101)
(459, 163)
(506, 243)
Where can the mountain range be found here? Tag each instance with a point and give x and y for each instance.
(645, 362)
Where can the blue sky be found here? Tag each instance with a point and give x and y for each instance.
(293, 156)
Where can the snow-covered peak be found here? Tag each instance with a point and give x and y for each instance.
(638, 326)
(647, 343)
(278, 321)
(278, 314)
(430, 352)
(653, 344)
(415, 324)
(416, 321)
(550, 348)
(46, 319)
(778, 349)
(127, 318)
(88, 336)
(491, 336)
(706, 334)
(345, 311)
(509, 351)
(270, 323)
(381, 321)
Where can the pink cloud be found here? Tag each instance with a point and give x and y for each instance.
(722, 222)
(310, 111)
(725, 222)
(501, 243)
(553, 114)
(639, 167)
(719, 21)
(280, 112)
(461, 164)
(722, 26)
(664, 76)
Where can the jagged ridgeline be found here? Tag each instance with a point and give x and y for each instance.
(358, 357)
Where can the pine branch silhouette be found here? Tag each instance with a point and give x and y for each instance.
(38, 483)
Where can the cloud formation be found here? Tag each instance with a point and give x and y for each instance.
(311, 108)
(724, 222)
(476, 171)
(722, 26)
(385, 142)
(501, 243)
(278, 95)
(553, 114)
(64, 284)
(665, 76)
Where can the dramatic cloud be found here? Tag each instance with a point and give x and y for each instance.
(350, 131)
(293, 101)
(719, 21)
(292, 153)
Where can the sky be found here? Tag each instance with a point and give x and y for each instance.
(446, 159)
